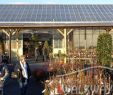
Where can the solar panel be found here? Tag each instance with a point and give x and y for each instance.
(55, 13)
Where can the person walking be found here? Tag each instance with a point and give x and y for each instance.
(5, 58)
(24, 74)
(45, 54)
(4, 74)
(36, 53)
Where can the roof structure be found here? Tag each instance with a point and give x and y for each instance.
(33, 15)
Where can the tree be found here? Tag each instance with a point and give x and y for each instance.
(104, 49)
(35, 40)
(46, 45)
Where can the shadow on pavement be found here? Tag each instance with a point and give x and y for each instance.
(11, 87)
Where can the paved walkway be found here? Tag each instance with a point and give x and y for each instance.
(12, 87)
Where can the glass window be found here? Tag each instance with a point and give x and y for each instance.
(96, 33)
(58, 43)
(57, 39)
(82, 38)
(89, 37)
(76, 38)
(102, 31)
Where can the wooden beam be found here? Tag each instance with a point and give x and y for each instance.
(6, 32)
(108, 30)
(111, 29)
(17, 42)
(10, 47)
(10, 33)
(65, 40)
(65, 43)
(60, 32)
(69, 31)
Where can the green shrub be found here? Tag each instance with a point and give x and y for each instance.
(104, 49)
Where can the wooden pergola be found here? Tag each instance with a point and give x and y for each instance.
(64, 28)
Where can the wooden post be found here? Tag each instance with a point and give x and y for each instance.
(17, 43)
(9, 33)
(53, 44)
(10, 47)
(65, 33)
(65, 44)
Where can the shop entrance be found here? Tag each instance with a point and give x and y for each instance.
(30, 45)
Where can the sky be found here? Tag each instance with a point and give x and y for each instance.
(56, 1)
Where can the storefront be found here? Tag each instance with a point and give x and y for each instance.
(72, 27)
